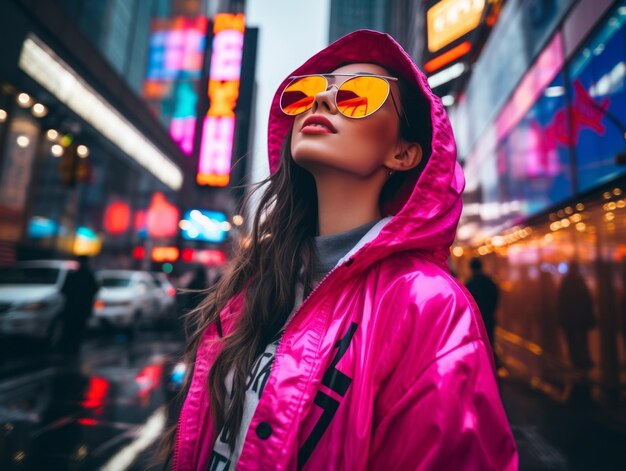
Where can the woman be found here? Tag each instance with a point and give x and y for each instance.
(385, 364)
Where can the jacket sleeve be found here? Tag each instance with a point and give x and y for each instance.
(449, 417)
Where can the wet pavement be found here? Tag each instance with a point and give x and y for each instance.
(107, 411)
(552, 435)
(102, 411)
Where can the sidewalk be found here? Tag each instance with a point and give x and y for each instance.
(554, 436)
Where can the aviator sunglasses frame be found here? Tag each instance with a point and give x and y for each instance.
(385, 78)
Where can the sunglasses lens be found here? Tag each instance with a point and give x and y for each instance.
(299, 95)
(361, 96)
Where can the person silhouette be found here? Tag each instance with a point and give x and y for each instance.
(486, 294)
(622, 304)
(576, 318)
(575, 311)
(548, 317)
(80, 288)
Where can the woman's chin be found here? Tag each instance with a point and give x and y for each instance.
(315, 163)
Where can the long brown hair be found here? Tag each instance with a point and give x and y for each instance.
(280, 250)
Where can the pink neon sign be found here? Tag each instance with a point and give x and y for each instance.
(583, 113)
(218, 128)
(532, 86)
(177, 48)
(182, 131)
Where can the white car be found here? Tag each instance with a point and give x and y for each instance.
(125, 298)
(167, 297)
(31, 301)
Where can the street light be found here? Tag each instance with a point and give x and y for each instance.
(57, 150)
(82, 151)
(39, 110)
(24, 100)
(23, 141)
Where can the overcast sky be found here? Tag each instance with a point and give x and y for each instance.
(290, 31)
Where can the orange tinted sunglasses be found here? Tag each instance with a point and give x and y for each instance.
(358, 97)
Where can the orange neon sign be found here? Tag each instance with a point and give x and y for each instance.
(218, 129)
(447, 57)
(223, 96)
(165, 254)
(449, 20)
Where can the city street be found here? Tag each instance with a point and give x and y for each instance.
(419, 181)
(108, 410)
(100, 412)
(552, 436)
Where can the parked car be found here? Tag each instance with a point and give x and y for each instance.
(125, 298)
(31, 301)
(167, 299)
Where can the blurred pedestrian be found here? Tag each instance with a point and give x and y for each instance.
(622, 304)
(575, 310)
(486, 294)
(79, 289)
(338, 338)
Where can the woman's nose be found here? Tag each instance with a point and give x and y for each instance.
(326, 99)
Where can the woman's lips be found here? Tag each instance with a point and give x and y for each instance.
(317, 124)
(315, 129)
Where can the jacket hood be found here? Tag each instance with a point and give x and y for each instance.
(426, 206)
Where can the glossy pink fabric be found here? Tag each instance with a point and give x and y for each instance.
(386, 365)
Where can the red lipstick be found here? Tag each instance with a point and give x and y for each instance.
(317, 124)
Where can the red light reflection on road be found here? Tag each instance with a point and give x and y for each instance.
(88, 422)
(149, 379)
(96, 394)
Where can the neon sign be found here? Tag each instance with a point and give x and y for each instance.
(203, 225)
(532, 86)
(584, 113)
(162, 217)
(204, 256)
(183, 123)
(218, 128)
(86, 242)
(448, 20)
(177, 48)
(116, 218)
(165, 254)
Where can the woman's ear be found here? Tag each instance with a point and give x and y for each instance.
(408, 157)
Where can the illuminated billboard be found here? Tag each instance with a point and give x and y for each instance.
(448, 20)
(165, 254)
(218, 127)
(175, 59)
(204, 226)
(204, 256)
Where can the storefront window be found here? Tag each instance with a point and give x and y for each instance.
(16, 172)
(598, 98)
(538, 171)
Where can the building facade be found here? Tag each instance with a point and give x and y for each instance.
(82, 159)
(88, 163)
(542, 136)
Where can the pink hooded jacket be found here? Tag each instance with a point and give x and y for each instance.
(386, 364)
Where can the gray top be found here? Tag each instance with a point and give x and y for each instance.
(330, 249)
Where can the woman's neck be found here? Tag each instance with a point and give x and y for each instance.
(345, 203)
